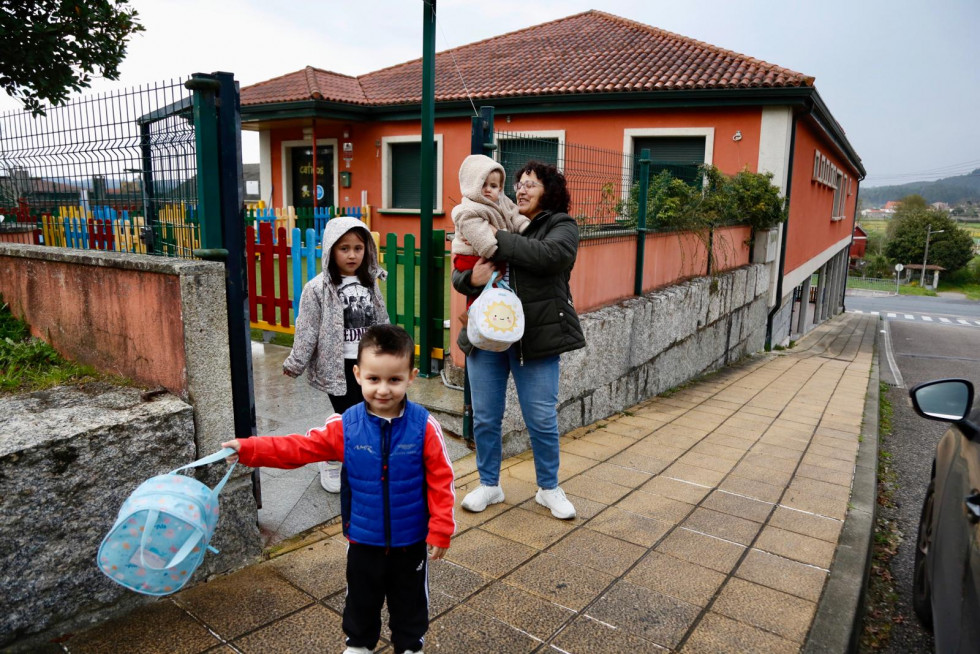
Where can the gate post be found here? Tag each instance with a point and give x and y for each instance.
(641, 220)
(205, 88)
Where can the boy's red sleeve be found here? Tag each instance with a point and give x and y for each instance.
(320, 444)
(439, 482)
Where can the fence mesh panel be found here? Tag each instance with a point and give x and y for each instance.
(125, 159)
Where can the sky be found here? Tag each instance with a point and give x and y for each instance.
(900, 76)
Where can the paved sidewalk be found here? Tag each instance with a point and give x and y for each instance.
(708, 521)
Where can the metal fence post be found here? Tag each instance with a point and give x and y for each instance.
(426, 368)
(641, 220)
(205, 88)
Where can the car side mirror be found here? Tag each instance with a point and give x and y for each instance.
(947, 400)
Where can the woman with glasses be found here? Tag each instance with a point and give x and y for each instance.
(539, 264)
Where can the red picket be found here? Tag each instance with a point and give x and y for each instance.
(253, 308)
(267, 273)
(283, 250)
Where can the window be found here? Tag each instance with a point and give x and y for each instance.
(680, 150)
(402, 173)
(515, 150)
(827, 174)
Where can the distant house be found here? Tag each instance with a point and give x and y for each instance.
(592, 79)
(892, 205)
(859, 243)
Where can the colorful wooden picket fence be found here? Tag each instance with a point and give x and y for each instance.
(280, 257)
(303, 218)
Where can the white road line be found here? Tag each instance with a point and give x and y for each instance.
(927, 318)
(977, 322)
(857, 311)
(963, 322)
(874, 313)
(892, 315)
(890, 357)
(945, 320)
(909, 316)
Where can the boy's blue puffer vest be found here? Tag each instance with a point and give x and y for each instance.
(383, 492)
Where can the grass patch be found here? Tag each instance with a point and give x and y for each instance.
(881, 602)
(30, 364)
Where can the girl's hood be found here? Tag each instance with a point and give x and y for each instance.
(337, 227)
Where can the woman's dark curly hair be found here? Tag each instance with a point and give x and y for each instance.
(556, 197)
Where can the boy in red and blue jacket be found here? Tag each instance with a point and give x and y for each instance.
(396, 491)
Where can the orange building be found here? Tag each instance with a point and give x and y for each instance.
(591, 79)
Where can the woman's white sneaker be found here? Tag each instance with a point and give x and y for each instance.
(481, 497)
(555, 500)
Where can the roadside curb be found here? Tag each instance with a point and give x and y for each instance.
(840, 614)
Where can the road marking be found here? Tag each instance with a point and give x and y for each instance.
(896, 373)
(857, 311)
(946, 320)
(977, 322)
(909, 316)
(874, 313)
(892, 315)
(927, 318)
(963, 322)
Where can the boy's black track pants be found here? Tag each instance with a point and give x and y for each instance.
(398, 574)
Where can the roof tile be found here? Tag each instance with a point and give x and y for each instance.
(591, 52)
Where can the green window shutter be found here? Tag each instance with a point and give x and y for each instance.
(406, 176)
(681, 155)
(514, 153)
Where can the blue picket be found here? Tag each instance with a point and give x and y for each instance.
(297, 254)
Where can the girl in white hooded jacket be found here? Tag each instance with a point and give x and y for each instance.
(336, 308)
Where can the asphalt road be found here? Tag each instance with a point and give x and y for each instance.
(915, 304)
(921, 351)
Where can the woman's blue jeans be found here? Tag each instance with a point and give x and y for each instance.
(537, 391)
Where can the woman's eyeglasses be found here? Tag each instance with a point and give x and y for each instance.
(528, 184)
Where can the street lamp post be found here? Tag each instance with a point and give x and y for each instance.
(925, 256)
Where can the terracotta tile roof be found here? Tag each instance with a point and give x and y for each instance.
(591, 52)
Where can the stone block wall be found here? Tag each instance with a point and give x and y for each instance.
(646, 345)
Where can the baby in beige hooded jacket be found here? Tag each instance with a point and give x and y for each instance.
(481, 182)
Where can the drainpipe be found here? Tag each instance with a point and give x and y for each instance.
(313, 135)
(782, 247)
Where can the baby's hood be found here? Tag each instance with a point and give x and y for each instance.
(337, 227)
(473, 173)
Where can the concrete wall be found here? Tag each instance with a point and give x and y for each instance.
(69, 457)
(649, 344)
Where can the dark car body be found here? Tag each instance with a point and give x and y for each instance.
(946, 584)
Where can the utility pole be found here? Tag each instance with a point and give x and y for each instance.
(925, 257)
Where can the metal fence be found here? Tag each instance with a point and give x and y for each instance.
(115, 171)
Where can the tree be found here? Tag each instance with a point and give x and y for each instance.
(952, 249)
(50, 48)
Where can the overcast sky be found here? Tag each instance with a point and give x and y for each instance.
(900, 76)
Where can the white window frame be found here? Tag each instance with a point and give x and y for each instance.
(534, 134)
(386, 173)
(287, 168)
(631, 134)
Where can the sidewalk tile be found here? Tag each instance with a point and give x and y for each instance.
(589, 449)
(618, 474)
(629, 526)
(526, 527)
(826, 506)
(807, 524)
(598, 551)
(655, 506)
(632, 431)
(739, 443)
(463, 631)
(827, 463)
(645, 613)
(767, 461)
(608, 439)
(782, 614)
(630, 459)
(516, 490)
(586, 634)
(676, 489)
(319, 568)
(778, 573)
(560, 581)
(314, 629)
(520, 609)
(701, 420)
(686, 581)
(798, 547)
(234, 604)
(765, 474)
(455, 581)
(656, 448)
(715, 553)
(831, 452)
(752, 488)
(699, 460)
(819, 488)
(722, 525)
(585, 509)
(488, 553)
(716, 634)
(738, 505)
(157, 628)
(694, 474)
(768, 448)
(712, 448)
(598, 490)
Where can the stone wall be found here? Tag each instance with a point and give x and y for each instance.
(646, 345)
(69, 457)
